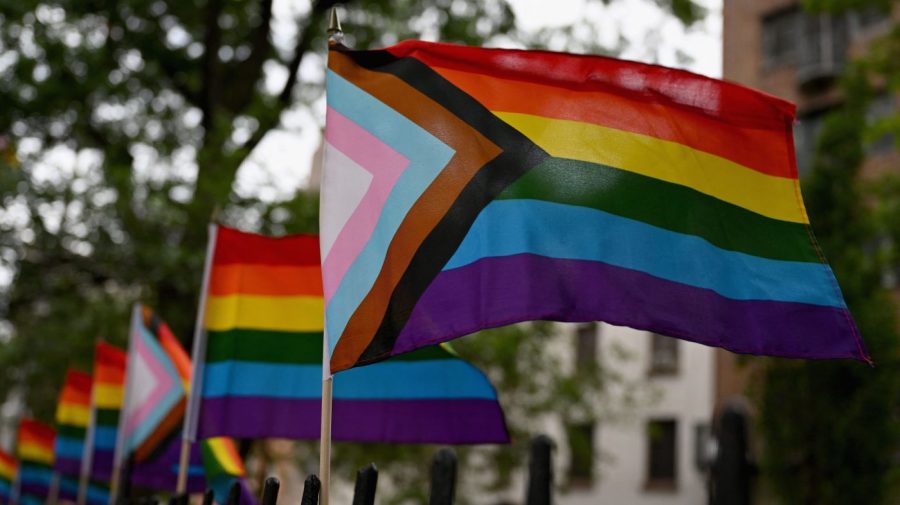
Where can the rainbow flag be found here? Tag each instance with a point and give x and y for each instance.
(73, 412)
(34, 448)
(8, 467)
(106, 404)
(262, 364)
(467, 188)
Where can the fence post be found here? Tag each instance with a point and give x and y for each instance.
(540, 472)
(443, 478)
(270, 491)
(209, 497)
(366, 482)
(234, 494)
(311, 491)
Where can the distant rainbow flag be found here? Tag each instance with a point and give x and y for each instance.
(261, 367)
(34, 448)
(73, 413)
(106, 403)
(8, 467)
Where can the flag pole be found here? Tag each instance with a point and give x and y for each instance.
(198, 355)
(120, 451)
(53, 492)
(335, 36)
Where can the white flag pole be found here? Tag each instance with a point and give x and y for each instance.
(335, 36)
(87, 453)
(121, 452)
(198, 356)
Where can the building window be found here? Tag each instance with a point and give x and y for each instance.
(663, 355)
(823, 49)
(586, 347)
(662, 455)
(780, 41)
(806, 133)
(882, 107)
(581, 449)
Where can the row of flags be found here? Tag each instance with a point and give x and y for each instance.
(258, 375)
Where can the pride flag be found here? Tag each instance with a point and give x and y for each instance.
(106, 403)
(467, 188)
(34, 448)
(8, 467)
(73, 412)
(262, 361)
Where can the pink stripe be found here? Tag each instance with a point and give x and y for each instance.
(165, 384)
(386, 165)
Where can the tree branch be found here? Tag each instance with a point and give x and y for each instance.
(247, 73)
(212, 40)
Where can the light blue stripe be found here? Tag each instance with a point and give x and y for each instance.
(166, 403)
(4, 488)
(105, 437)
(97, 495)
(427, 157)
(69, 448)
(69, 485)
(508, 227)
(400, 380)
(27, 499)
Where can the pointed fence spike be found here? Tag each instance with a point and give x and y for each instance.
(366, 482)
(443, 478)
(209, 497)
(234, 494)
(540, 472)
(311, 491)
(270, 491)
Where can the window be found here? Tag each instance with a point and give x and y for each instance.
(780, 41)
(581, 449)
(806, 132)
(881, 107)
(662, 455)
(585, 347)
(663, 355)
(823, 48)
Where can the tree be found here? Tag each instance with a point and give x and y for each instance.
(830, 428)
(124, 124)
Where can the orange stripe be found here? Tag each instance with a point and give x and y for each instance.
(70, 397)
(109, 376)
(763, 150)
(270, 280)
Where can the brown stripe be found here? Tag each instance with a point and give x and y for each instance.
(473, 150)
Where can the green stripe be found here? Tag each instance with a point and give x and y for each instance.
(285, 347)
(68, 431)
(107, 417)
(264, 346)
(664, 205)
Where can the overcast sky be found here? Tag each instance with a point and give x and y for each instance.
(281, 164)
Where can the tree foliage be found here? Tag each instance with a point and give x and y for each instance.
(830, 428)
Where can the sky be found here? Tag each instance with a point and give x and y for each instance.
(282, 162)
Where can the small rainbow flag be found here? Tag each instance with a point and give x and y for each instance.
(8, 467)
(73, 413)
(34, 449)
(466, 188)
(262, 362)
(106, 403)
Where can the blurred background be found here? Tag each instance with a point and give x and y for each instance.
(125, 123)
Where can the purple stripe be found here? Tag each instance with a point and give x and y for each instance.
(67, 466)
(503, 290)
(38, 490)
(101, 466)
(161, 473)
(439, 421)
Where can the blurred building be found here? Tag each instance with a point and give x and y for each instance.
(654, 454)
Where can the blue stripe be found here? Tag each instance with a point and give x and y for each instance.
(166, 403)
(508, 227)
(27, 499)
(68, 448)
(32, 475)
(427, 157)
(5, 488)
(105, 437)
(69, 486)
(400, 380)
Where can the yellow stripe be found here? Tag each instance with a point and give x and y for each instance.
(73, 415)
(775, 197)
(7, 471)
(108, 396)
(278, 313)
(35, 453)
(225, 456)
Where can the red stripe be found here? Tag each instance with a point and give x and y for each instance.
(77, 388)
(234, 246)
(109, 364)
(37, 432)
(716, 116)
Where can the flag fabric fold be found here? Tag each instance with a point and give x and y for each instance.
(262, 368)
(468, 188)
